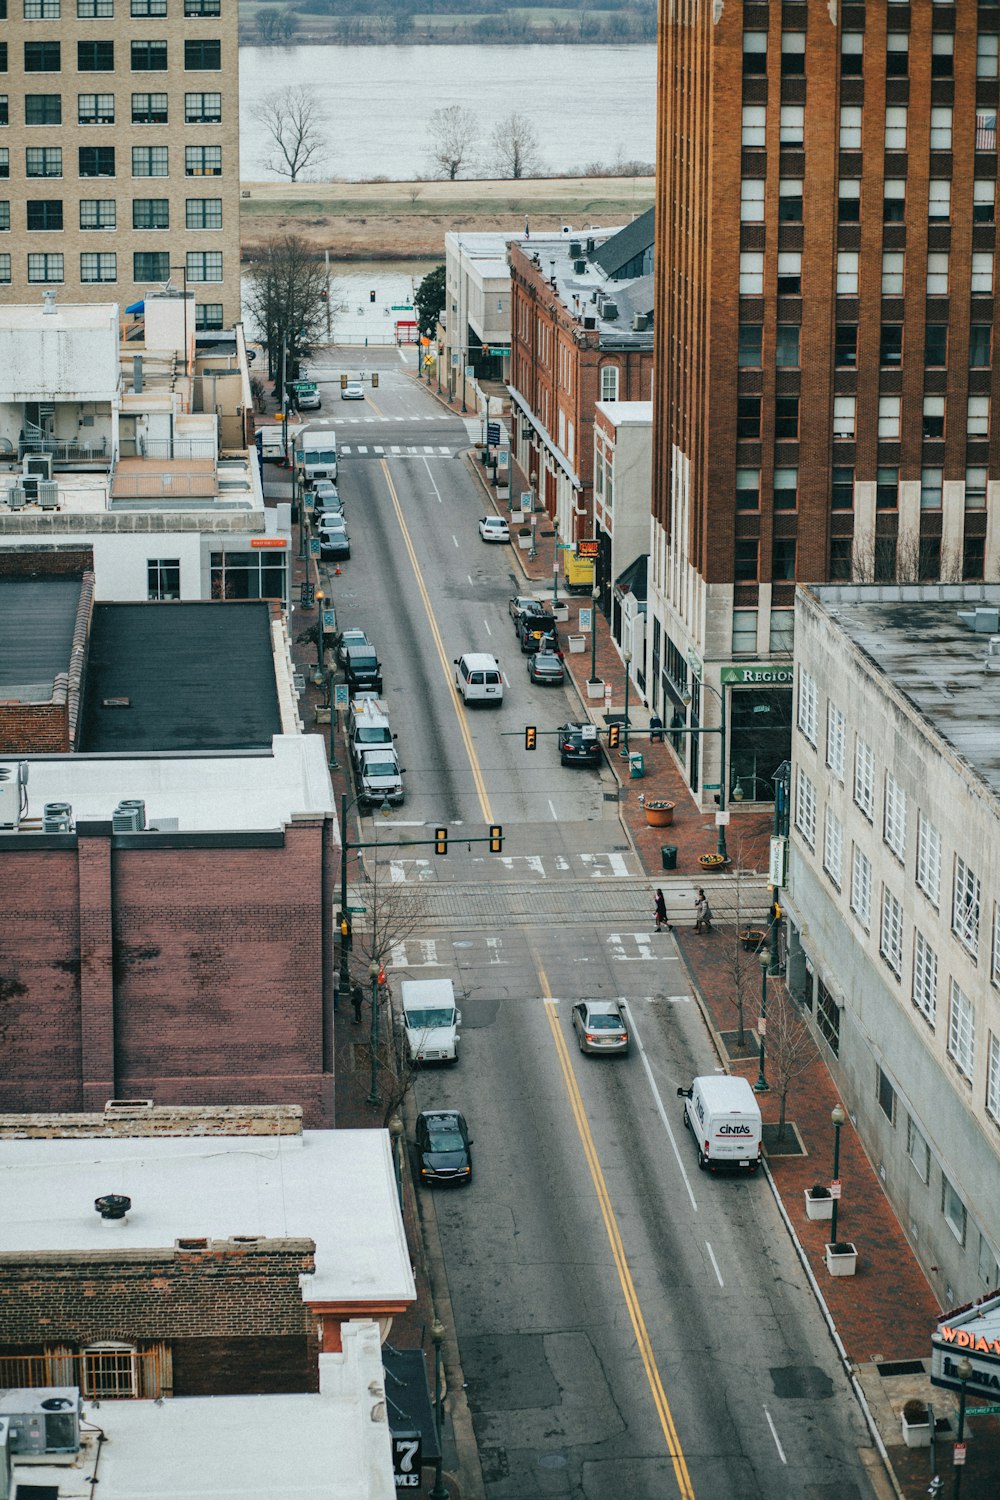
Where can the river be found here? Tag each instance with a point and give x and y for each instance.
(586, 104)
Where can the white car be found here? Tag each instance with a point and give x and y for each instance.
(494, 529)
(352, 391)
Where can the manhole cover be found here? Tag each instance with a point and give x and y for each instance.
(900, 1367)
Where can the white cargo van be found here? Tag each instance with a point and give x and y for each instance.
(724, 1117)
(430, 1019)
(368, 728)
(316, 454)
(478, 678)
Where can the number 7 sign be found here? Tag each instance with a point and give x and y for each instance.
(407, 1460)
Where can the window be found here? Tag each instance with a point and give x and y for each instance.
(928, 859)
(204, 265)
(786, 348)
(977, 421)
(609, 382)
(892, 273)
(835, 735)
(888, 418)
(163, 578)
(942, 55)
(202, 109)
(965, 906)
(897, 54)
(751, 273)
(150, 213)
(917, 1150)
(933, 416)
(94, 10)
(786, 486)
(748, 417)
(986, 131)
(149, 57)
(754, 119)
(937, 273)
(852, 46)
(5, 269)
(939, 200)
(744, 632)
(789, 273)
(982, 271)
(864, 778)
(3, 57)
(43, 161)
(790, 200)
(847, 273)
(45, 268)
(95, 109)
(936, 345)
(745, 561)
(975, 498)
(206, 213)
(805, 807)
(44, 213)
(895, 127)
(150, 161)
(41, 57)
(842, 489)
(891, 345)
(783, 558)
(894, 200)
(110, 1370)
(850, 127)
(989, 1270)
(793, 53)
(95, 57)
(752, 200)
(846, 346)
(995, 961)
(791, 123)
(986, 54)
(97, 161)
(203, 8)
(961, 1030)
(786, 416)
(833, 847)
(973, 555)
(41, 10)
(4, 214)
(941, 128)
(203, 55)
(993, 1077)
(754, 52)
(983, 200)
(925, 978)
(43, 109)
(849, 201)
(828, 1017)
(931, 488)
(149, 109)
(886, 1096)
(207, 315)
(979, 346)
(98, 266)
(98, 213)
(747, 489)
(894, 819)
(843, 416)
(142, 8)
(861, 886)
(891, 932)
(151, 265)
(749, 346)
(4, 109)
(808, 709)
(202, 161)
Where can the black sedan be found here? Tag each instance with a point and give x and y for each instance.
(444, 1150)
(579, 745)
(334, 544)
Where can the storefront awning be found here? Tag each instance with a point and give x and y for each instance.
(521, 403)
(632, 580)
(408, 1397)
(136, 307)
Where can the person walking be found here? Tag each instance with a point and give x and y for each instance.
(660, 912)
(702, 912)
(357, 995)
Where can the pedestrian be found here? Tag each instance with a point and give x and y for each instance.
(660, 912)
(356, 998)
(702, 912)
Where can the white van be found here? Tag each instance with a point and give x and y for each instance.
(430, 1019)
(724, 1117)
(478, 678)
(368, 728)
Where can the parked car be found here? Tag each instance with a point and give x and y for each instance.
(330, 520)
(363, 669)
(516, 606)
(326, 497)
(533, 625)
(494, 529)
(335, 544)
(600, 1026)
(579, 745)
(546, 667)
(444, 1150)
(351, 637)
(352, 391)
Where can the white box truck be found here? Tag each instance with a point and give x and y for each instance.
(316, 454)
(724, 1118)
(430, 1019)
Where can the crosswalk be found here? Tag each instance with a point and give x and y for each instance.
(398, 450)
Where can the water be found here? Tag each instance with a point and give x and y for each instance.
(586, 104)
(355, 318)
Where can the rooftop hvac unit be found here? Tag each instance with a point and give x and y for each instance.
(590, 245)
(43, 1421)
(10, 796)
(640, 322)
(57, 817)
(16, 496)
(48, 494)
(129, 816)
(39, 465)
(29, 484)
(6, 1483)
(579, 267)
(575, 249)
(590, 322)
(610, 310)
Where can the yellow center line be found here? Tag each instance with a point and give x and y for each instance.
(615, 1240)
(374, 406)
(463, 728)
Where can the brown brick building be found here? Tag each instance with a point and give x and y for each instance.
(826, 386)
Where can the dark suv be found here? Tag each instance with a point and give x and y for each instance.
(578, 745)
(363, 670)
(444, 1151)
(532, 625)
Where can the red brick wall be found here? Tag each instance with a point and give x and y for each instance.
(34, 729)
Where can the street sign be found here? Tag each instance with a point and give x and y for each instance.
(341, 695)
(355, 908)
(722, 819)
(712, 786)
(777, 861)
(958, 1455)
(607, 692)
(329, 619)
(493, 434)
(586, 619)
(835, 1189)
(313, 546)
(982, 1411)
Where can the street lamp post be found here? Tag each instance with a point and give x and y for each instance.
(838, 1117)
(373, 973)
(627, 659)
(396, 1135)
(720, 846)
(764, 958)
(555, 562)
(320, 599)
(439, 1492)
(964, 1372)
(594, 600)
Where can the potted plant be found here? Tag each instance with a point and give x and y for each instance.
(712, 861)
(819, 1202)
(841, 1258)
(659, 814)
(916, 1421)
(752, 938)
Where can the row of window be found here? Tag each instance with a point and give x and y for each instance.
(893, 191)
(200, 55)
(788, 339)
(100, 213)
(785, 487)
(936, 274)
(99, 10)
(147, 266)
(792, 118)
(852, 54)
(99, 109)
(787, 411)
(99, 161)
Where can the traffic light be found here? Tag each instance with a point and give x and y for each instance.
(440, 841)
(345, 929)
(374, 380)
(496, 838)
(614, 736)
(343, 382)
(381, 974)
(530, 737)
(371, 296)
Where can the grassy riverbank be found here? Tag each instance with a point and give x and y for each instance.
(408, 220)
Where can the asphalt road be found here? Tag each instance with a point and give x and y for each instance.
(627, 1326)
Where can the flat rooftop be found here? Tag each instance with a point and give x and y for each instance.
(37, 619)
(575, 289)
(912, 636)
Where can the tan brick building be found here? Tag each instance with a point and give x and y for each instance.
(119, 151)
(826, 386)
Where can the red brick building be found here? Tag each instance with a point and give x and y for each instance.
(826, 384)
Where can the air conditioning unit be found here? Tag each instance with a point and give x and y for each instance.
(29, 484)
(38, 465)
(43, 1422)
(48, 494)
(579, 267)
(57, 817)
(610, 311)
(575, 249)
(129, 816)
(590, 322)
(640, 322)
(10, 795)
(16, 496)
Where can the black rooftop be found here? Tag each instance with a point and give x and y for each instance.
(624, 246)
(37, 619)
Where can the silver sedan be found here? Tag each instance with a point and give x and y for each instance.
(600, 1026)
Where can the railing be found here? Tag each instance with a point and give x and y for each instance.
(155, 485)
(64, 451)
(107, 1373)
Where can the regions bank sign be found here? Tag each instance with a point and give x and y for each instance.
(758, 674)
(973, 1333)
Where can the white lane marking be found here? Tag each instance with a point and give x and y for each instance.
(643, 944)
(781, 1451)
(378, 450)
(428, 448)
(658, 1100)
(606, 864)
(494, 946)
(555, 816)
(454, 539)
(715, 1264)
(488, 630)
(395, 448)
(403, 359)
(345, 450)
(430, 476)
(469, 577)
(362, 450)
(533, 862)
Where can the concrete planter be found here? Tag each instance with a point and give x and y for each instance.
(560, 610)
(524, 540)
(595, 690)
(322, 716)
(916, 1434)
(841, 1259)
(818, 1207)
(576, 643)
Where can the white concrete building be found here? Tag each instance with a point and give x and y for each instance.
(623, 472)
(476, 317)
(894, 897)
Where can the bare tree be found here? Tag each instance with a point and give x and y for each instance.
(515, 147)
(285, 297)
(296, 123)
(739, 956)
(454, 132)
(276, 28)
(790, 1048)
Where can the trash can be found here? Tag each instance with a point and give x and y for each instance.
(636, 765)
(668, 854)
